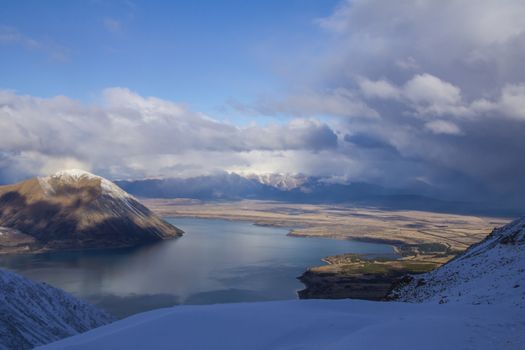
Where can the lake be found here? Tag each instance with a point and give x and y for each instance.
(216, 261)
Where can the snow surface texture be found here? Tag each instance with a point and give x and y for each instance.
(474, 302)
(74, 175)
(490, 272)
(34, 313)
(311, 325)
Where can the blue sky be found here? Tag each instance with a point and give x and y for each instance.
(201, 53)
(403, 93)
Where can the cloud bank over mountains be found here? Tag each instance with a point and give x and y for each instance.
(130, 135)
(398, 93)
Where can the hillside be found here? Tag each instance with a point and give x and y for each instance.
(490, 272)
(74, 209)
(33, 314)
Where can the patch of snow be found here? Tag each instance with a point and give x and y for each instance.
(46, 186)
(284, 182)
(311, 325)
(74, 175)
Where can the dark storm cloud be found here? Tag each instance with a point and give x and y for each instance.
(446, 85)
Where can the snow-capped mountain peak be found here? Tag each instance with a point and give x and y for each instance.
(75, 176)
(284, 182)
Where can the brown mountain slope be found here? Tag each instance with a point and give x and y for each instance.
(74, 209)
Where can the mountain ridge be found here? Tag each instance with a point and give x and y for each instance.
(301, 188)
(75, 209)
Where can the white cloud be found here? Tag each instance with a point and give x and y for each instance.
(423, 93)
(339, 102)
(513, 100)
(12, 36)
(443, 127)
(510, 103)
(129, 131)
(428, 89)
(380, 88)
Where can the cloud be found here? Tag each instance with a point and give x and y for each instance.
(112, 25)
(129, 133)
(380, 89)
(512, 100)
(443, 127)
(337, 102)
(11, 36)
(429, 90)
(444, 84)
(424, 93)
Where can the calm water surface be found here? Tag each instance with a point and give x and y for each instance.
(216, 261)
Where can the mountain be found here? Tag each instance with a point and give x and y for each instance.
(223, 186)
(74, 209)
(490, 272)
(231, 186)
(33, 314)
(285, 182)
(304, 189)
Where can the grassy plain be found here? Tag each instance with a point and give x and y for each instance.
(457, 232)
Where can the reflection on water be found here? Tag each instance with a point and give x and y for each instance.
(216, 261)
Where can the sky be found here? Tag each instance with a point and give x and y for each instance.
(406, 93)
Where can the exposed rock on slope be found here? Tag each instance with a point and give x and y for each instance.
(33, 314)
(490, 272)
(75, 209)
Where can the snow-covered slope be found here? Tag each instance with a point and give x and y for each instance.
(490, 272)
(311, 325)
(33, 313)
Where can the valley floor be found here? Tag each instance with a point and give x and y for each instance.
(312, 324)
(341, 222)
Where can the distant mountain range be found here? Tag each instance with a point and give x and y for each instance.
(74, 209)
(305, 189)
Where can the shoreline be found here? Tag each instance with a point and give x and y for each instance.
(339, 222)
(422, 241)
